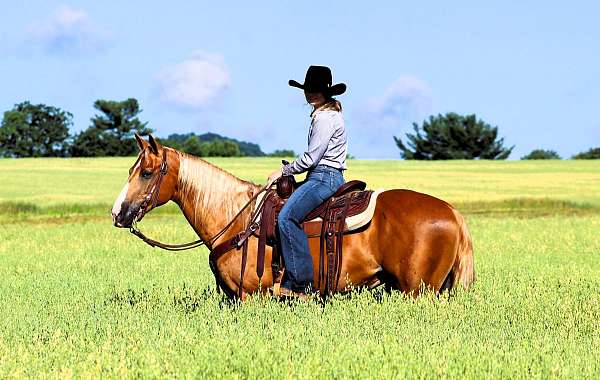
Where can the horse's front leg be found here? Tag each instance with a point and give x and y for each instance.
(230, 270)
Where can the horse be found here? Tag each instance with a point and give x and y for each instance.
(414, 241)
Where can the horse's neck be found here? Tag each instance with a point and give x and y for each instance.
(210, 197)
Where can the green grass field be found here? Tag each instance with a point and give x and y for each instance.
(80, 298)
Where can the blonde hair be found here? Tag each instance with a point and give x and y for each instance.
(331, 104)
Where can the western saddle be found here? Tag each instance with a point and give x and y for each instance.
(327, 221)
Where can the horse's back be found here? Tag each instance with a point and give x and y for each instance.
(418, 204)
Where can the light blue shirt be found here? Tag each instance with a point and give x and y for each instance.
(327, 144)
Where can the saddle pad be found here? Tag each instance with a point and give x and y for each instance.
(359, 220)
(313, 226)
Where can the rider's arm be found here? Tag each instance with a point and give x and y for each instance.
(321, 131)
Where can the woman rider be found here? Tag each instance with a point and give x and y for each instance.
(324, 162)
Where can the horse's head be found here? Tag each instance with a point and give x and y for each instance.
(151, 183)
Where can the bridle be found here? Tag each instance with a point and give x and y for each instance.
(151, 199)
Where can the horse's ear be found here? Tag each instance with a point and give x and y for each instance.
(154, 145)
(141, 143)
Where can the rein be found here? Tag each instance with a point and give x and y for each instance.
(152, 198)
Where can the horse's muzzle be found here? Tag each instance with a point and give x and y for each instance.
(126, 215)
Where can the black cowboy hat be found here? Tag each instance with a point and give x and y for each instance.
(318, 79)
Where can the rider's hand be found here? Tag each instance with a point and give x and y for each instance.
(273, 177)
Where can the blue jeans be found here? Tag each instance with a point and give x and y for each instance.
(321, 183)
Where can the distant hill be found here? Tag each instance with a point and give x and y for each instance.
(247, 148)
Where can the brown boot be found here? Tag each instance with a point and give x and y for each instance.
(287, 294)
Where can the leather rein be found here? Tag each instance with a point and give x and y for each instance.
(151, 200)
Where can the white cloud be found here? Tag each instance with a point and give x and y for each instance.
(69, 31)
(194, 83)
(406, 100)
(406, 97)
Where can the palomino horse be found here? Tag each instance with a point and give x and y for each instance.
(412, 239)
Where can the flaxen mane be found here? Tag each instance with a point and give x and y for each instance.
(208, 185)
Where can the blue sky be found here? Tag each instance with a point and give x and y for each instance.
(532, 68)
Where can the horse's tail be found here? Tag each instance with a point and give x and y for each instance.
(463, 271)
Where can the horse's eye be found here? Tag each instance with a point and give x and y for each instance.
(146, 174)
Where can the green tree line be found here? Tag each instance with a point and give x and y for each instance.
(38, 130)
(453, 136)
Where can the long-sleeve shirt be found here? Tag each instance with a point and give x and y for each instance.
(327, 144)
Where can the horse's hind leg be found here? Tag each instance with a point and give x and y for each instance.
(426, 266)
(448, 282)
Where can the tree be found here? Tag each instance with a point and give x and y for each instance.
(245, 148)
(193, 146)
(282, 153)
(221, 148)
(541, 154)
(111, 132)
(451, 137)
(35, 130)
(216, 148)
(177, 141)
(175, 144)
(592, 154)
